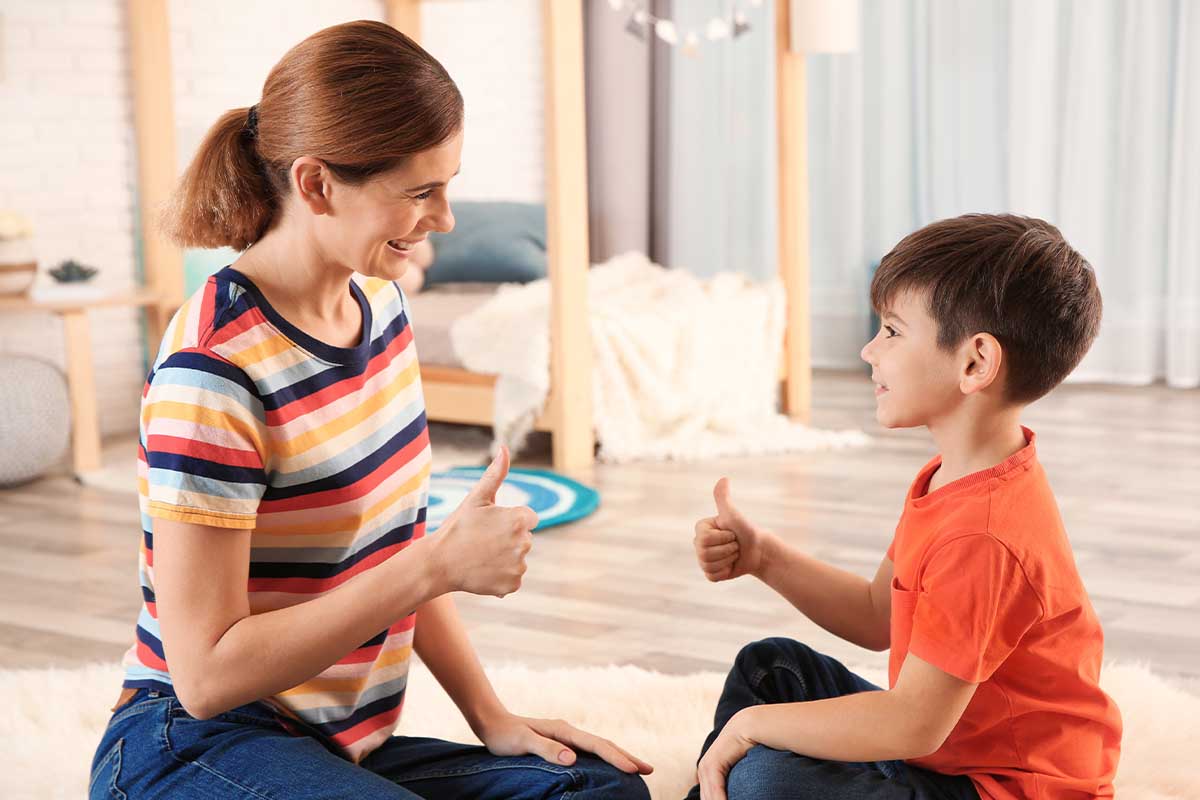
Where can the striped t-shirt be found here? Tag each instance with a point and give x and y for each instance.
(322, 452)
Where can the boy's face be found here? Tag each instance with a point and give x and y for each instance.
(916, 382)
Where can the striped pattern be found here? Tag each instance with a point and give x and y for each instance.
(322, 452)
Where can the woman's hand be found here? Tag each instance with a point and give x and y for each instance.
(730, 747)
(728, 545)
(552, 740)
(481, 547)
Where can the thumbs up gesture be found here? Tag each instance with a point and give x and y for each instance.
(482, 546)
(728, 545)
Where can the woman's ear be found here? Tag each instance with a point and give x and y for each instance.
(312, 183)
(983, 358)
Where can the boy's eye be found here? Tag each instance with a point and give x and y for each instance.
(890, 331)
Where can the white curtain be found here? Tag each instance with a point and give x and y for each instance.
(1083, 112)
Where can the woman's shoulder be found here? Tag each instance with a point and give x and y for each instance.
(382, 293)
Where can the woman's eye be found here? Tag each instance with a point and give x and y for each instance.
(424, 195)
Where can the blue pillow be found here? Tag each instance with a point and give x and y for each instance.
(492, 242)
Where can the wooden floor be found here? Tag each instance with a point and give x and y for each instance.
(622, 585)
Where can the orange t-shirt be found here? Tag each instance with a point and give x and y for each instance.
(985, 588)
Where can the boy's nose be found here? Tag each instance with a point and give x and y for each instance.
(866, 352)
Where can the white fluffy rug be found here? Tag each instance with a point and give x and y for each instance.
(52, 720)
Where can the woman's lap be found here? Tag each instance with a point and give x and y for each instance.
(153, 749)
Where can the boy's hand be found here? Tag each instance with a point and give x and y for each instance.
(728, 545)
(730, 747)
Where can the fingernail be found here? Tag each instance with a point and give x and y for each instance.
(565, 756)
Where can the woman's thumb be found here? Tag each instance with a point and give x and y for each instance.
(485, 490)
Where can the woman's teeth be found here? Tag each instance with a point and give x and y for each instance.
(399, 245)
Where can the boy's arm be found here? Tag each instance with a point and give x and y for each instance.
(845, 604)
(910, 721)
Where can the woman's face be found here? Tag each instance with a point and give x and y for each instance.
(371, 228)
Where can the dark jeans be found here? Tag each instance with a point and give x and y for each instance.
(154, 749)
(784, 671)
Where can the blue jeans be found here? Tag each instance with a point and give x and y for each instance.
(784, 671)
(154, 749)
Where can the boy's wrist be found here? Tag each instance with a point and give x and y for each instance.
(769, 547)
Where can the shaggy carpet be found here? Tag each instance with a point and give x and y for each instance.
(52, 720)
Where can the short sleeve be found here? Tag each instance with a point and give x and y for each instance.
(974, 605)
(203, 431)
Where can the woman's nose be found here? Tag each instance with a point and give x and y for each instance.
(443, 220)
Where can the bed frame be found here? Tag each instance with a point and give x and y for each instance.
(453, 394)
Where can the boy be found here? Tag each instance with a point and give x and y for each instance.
(995, 648)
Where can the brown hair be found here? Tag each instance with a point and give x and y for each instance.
(360, 96)
(1014, 277)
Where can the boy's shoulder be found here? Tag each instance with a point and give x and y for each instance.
(1014, 509)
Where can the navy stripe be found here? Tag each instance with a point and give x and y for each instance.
(355, 472)
(204, 362)
(145, 637)
(363, 713)
(319, 569)
(314, 384)
(203, 468)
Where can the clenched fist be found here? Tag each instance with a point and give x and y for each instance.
(481, 547)
(728, 545)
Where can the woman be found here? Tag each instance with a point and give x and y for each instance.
(284, 465)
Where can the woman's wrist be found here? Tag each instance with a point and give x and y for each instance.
(437, 570)
(485, 715)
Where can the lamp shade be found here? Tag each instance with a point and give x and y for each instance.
(824, 26)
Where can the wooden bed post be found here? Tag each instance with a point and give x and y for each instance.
(404, 16)
(154, 131)
(570, 409)
(790, 113)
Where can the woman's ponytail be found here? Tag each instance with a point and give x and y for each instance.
(224, 197)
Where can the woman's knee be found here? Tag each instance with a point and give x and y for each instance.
(599, 779)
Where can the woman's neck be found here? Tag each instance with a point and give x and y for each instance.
(288, 266)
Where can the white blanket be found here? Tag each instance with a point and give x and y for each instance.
(683, 368)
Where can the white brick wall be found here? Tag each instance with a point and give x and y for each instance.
(66, 162)
(67, 159)
(493, 50)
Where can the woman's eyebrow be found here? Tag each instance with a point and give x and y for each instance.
(433, 185)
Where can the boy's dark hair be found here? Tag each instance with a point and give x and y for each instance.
(1013, 277)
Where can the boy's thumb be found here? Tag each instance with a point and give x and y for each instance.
(726, 513)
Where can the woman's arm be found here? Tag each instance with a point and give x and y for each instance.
(222, 653)
(442, 643)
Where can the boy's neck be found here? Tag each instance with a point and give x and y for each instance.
(972, 442)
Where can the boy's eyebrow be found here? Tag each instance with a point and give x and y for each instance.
(433, 185)
(892, 315)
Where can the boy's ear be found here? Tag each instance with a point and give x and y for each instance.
(983, 358)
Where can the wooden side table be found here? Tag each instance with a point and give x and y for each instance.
(81, 376)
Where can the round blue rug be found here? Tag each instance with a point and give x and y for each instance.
(556, 498)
